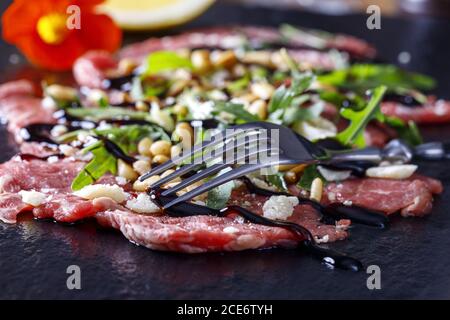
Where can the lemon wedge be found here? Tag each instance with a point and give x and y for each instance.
(153, 14)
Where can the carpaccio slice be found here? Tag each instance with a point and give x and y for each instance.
(20, 107)
(412, 197)
(90, 70)
(433, 111)
(198, 234)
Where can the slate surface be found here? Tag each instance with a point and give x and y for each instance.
(413, 254)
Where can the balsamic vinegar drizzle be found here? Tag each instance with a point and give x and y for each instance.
(404, 99)
(329, 257)
(331, 212)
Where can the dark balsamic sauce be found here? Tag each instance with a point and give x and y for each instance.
(29, 156)
(116, 151)
(327, 256)
(331, 212)
(118, 83)
(403, 99)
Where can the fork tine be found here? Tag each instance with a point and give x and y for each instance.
(177, 173)
(222, 179)
(197, 177)
(196, 148)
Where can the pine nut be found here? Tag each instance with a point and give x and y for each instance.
(161, 147)
(225, 59)
(290, 177)
(142, 106)
(160, 158)
(59, 92)
(142, 186)
(184, 131)
(141, 166)
(126, 171)
(316, 189)
(200, 60)
(258, 108)
(180, 110)
(144, 147)
(175, 151)
(262, 90)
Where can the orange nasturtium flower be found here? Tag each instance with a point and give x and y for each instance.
(53, 33)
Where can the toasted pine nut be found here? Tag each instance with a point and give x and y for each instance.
(141, 166)
(258, 57)
(180, 110)
(200, 60)
(144, 185)
(161, 147)
(160, 158)
(175, 151)
(290, 177)
(185, 132)
(299, 168)
(167, 172)
(316, 189)
(142, 106)
(126, 171)
(144, 147)
(262, 90)
(59, 92)
(225, 59)
(126, 66)
(258, 108)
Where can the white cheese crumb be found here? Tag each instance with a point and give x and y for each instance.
(230, 230)
(324, 239)
(121, 180)
(33, 197)
(392, 172)
(347, 203)
(142, 204)
(52, 159)
(58, 130)
(279, 207)
(94, 191)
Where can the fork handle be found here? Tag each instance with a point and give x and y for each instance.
(371, 154)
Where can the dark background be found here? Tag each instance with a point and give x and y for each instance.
(413, 254)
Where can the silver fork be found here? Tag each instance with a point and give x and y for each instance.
(290, 148)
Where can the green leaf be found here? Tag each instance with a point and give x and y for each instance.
(98, 114)
(354, 133)
(160, 61)
(340, 100)
(219, 196)
(284, 96)
(277, 180)
(239, 85)
(313, 38)
(407, 131)
(308, 176)
(238, 112)
(102, 163)
(361, 77)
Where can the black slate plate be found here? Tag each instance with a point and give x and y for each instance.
(412, 254)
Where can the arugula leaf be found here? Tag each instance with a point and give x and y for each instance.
(239, 85)
(361, 77)
(284, 96)
(219, 196)
(354, 133)
(98, 114)
(102, 163)
(308, 176)
(407, 131)
(238, 112)
(126, 137)
(165, 61)
(340, 100)
(277, 180)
